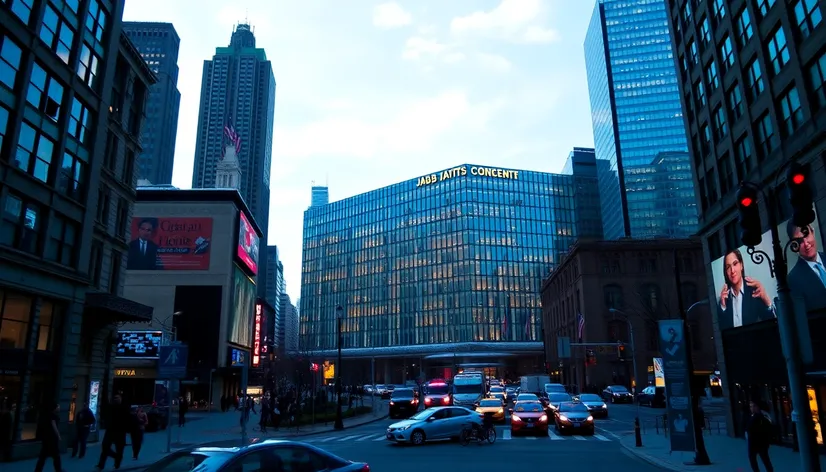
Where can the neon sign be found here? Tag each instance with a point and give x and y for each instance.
(256, 345)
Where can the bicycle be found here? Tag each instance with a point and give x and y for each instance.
(480, 433)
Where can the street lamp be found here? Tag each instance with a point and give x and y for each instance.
(339, 424)
(637, 432)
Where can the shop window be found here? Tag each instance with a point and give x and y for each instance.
(41, 391)
(14, 320)
(47, 325)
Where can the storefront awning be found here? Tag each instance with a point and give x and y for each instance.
(117, 309)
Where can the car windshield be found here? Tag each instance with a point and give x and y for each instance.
(496, 389)
(529, 407)
(402, 393)
(490, 403)
(554, 388)
(185, 461)
(438, 389)
(559, 397)
(473, 388)
(590, 397)
(379, 386)
(618, 389)
(422, 415)
(527, 397)
(572, 407)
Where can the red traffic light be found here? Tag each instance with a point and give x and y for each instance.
(746, 201)
(798, 178)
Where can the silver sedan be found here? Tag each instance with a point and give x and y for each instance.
(444, 422)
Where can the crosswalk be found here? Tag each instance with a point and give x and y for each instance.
(503, 434)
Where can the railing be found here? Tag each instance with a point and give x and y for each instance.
(659, 425)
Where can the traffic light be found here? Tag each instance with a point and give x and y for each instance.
(801, 195)
(751, 230)
(621, 351)
(590, 357)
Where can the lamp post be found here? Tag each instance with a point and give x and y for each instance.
(173, 339)
(637, 432)
(339, 424)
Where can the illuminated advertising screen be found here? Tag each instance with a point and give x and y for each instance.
(247, 249)
(256, 335)
(659, 373)
(237, 357)
(745, 291)
(242, 310)
(94, 401)
(138, 344)
(169, 243)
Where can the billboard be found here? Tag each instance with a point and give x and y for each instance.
(256, 335)
(169, 243)
(247, 249)
(242, 309)
(138, 344)
(677, 384)
(745, 292)
(659, 373)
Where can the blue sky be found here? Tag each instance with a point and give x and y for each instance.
(372, 93)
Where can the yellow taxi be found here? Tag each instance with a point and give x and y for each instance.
(492, 405)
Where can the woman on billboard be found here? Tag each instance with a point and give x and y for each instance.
(743, 300)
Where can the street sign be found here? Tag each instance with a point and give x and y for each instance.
(677, 385)
(563, 347)
(172, 361)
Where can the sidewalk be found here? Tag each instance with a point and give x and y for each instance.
(726, 453)
(200, 428)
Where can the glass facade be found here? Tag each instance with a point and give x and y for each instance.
(455, 256)
(636, 114)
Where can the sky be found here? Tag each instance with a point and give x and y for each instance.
(372, 93)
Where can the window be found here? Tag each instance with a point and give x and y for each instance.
(45, 93)
(110, 156)
(778, 50)
(114, 274)
(648, 265)
(705, 32)
(727, 53)
(817, 76)
(705, 136)
(754, 80)
(95, 263)
(613, 297)
(711, 186)
(650, 297)
(700, 92)
(104, 202)
(57, 34)
(742, 24)
(763, 6)
(686, 13)
(735, 101)
(725, 173)
(62, 242)
(48, 320)
(719, 11)
(694, 54)
(744, 161)
(21, 8)
(128, 167)
(10, 55)
(34, 153)
(765, 134)
(720, 125)
(14, 321)
(96, 20)
(87, 66)
(21, 224)
(79, 121)
(4, 124)
(122, 218)
(41, 390)
(791, 111)
(711, 76)
(808, 16)
(72, 179)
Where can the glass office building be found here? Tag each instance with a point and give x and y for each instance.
(452, 257)
(636, 115)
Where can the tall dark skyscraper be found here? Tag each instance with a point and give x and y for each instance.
(274, 288)
(237, 106)
(636, 115)
(158, 44)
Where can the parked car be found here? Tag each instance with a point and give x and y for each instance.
(617, 394)
(652, 396)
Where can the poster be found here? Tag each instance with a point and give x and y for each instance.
(247, 250)
(169, 243)
(659, 376)
(94, 400)
(677, 385)
(745, 292)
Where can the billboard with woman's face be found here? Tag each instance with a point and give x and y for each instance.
(745, 291)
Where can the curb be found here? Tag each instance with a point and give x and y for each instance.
(635, 451)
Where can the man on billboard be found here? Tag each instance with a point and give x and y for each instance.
(143, 253)
(807, 278)
(743, 300)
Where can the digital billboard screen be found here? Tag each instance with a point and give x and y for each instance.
(745, 292)
(243, 309)
(247, 244)
(139, 344)
(169, 243)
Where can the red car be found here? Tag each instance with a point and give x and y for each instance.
(529, 417)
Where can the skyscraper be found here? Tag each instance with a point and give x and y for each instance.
(237, 106)
(274, 289)
(158, 44)
(320, 196)
(636, 114)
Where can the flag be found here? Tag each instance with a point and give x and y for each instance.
(528, 326)
(580, 325)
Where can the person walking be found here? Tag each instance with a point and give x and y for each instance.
(141, 420)
(49, 435)
(265, 414)
(118, 422)
(183, 408)
(758, 436)
(83, 425)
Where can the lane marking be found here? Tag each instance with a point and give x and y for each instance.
(365, 438)
(579, 438)
(349, 438)
(380, 438)
(554, 436)
(506, 435)
(327, 439)
(601, 437)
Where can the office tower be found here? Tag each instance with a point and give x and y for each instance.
(636, 115)
(236, 112)
(582, 164)
(158, 44)
(289, 327)
(753, 85)
(275, 286)
(320, 196)
(453, 258)
(69, 134)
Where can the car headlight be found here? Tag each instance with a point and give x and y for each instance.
(501, 410)
(563, 418)
(604, 405)
(543, 418)
(515, 418)
(590, 418)
(391, 403)
(404, 428)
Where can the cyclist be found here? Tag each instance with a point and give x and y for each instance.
(486, 426)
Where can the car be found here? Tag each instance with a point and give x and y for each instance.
(617, 394)
(554, 388)
(492, 405)
(443, 422)
(594, 404)
(498, 396)
(368, 389)
(527, 397)
(379, 389)
(572, 417)
(652, 396)
(269, 455)
(554, 399)
(497, 390)
(437, 393)
(403, 402)
(529, 417)
(388, 391)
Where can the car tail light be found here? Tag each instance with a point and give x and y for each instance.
(427, 400)
(366, 468)
(446, 400)
(391, 403)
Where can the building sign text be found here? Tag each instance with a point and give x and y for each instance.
(462, 171)
(256, 343)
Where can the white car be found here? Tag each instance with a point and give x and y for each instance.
(442, 422)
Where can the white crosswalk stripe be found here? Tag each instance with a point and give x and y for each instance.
(554, 437)
(531, 438)
(349, 438)
(365, 438)
(381, 437)
(601, 437)
(503, 434)
(578, 438)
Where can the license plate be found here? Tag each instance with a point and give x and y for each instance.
(576, 425)
(529, 425)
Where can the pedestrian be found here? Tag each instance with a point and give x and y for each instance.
(49, 435)
(759, 430)
(118, 422)
(141, 420)
(83, 425)
(265, 414)
(183, 408)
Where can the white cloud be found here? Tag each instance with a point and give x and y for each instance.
(391, 15)
(494, 62)
(418, 47)
(513, 20)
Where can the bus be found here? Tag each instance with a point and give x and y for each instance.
(468, 389)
